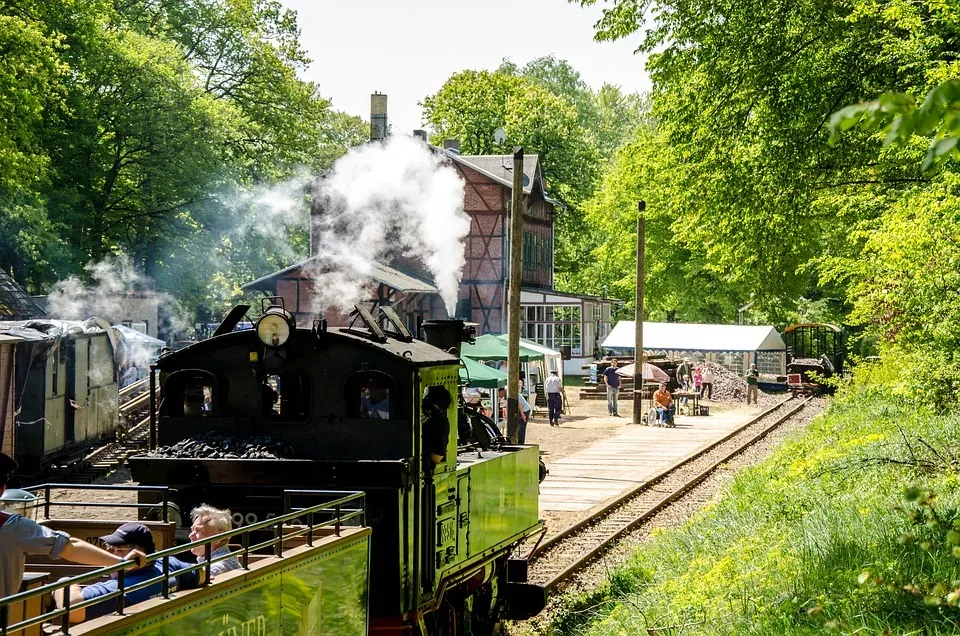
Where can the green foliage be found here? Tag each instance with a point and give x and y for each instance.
(901, 119)
(743, 97)
(785, 550)
(127, 127)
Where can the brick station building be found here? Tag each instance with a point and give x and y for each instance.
(558, 320)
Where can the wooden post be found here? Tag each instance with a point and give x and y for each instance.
(638, 330)
(513, 319)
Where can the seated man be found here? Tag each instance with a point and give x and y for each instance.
(664, 403)
(128, 537)
(207, 522)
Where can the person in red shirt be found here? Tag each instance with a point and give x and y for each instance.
(663, 401)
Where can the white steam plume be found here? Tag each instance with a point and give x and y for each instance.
(382, 201)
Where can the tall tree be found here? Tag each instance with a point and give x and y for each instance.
(744, 93)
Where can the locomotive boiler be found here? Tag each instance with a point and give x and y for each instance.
(245, 415)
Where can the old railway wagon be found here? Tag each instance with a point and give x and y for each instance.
(814, 352)
(64, 391)
(342, 406)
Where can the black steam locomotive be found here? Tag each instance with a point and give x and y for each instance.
(244, 415)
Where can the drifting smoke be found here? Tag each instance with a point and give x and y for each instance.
(116, 292)
(272, 214)
(383, 201)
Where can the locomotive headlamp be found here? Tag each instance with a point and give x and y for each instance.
(274, 327)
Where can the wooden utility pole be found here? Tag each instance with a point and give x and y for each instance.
(513, 303)
(638, 329)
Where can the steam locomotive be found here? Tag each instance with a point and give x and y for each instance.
(340, 408)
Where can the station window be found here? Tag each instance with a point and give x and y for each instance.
(285, 397)
(553, 326)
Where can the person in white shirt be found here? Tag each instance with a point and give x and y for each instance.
(708, 377)
(554, 388)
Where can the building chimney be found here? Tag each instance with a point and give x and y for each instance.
(378, 117)
(453, 145)
(421, 135)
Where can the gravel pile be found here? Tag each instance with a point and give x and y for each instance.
(219, 446)
(728, 386)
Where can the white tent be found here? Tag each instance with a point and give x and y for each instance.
(734, 346)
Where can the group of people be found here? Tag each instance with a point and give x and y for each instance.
(697, 380)
(692, 379)
(131, 543)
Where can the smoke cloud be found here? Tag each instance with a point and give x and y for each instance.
(270, 215)
(382, 201)
(115, 293)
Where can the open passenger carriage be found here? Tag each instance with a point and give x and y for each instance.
(302, 572)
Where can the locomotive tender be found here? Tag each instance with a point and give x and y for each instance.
(347, 401)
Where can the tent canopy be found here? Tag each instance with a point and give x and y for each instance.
(490, 347)
(676, 336)
(480, 375)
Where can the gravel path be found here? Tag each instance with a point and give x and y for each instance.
(672, 516)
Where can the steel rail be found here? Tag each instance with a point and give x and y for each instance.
(652, 481)
(581, 561)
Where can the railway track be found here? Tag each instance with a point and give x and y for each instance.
(564, 554)
(111, 455)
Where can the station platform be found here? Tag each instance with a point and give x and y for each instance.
(604, 470)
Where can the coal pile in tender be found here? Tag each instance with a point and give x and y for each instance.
(220, 446)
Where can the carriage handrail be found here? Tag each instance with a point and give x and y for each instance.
(46, 503)
(337, 507)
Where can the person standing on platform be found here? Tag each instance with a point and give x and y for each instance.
(554, 387)
(612, 380)
(523, 413)
(708, 377)
(698, 381)
(753, 377)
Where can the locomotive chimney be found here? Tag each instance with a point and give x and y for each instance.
(378, 117)
(448, 334)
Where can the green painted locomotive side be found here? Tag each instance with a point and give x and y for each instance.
(482, 501)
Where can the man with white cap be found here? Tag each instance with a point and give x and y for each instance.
(554, 386)
(21, 537)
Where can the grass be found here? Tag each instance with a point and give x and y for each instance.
(788, 547)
